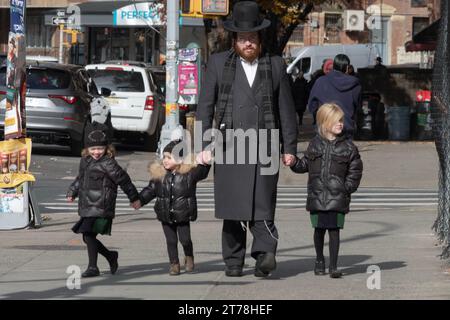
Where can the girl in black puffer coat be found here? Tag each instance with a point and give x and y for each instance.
(96, 187)
(335, 171)
(173, 184)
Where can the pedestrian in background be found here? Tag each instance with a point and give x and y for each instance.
(96, 187)
(335, 171)
(339, 88)
(174, 185)
(326, 68)
(300, 94)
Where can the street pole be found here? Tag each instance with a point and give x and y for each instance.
(171, 130)
(61, 40)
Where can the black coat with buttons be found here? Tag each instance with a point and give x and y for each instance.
(175, 192)
(96, 187)
(335, 171)
(246, 173)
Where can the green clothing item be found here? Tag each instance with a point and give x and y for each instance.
(102, 226)
(327, 220)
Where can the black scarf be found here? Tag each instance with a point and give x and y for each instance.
(224, 112)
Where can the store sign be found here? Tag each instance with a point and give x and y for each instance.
(140, 14)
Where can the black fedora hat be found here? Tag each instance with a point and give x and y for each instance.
(246, 18)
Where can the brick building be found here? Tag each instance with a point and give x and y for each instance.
(393, 23)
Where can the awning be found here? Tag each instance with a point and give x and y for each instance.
(410, 46)
(425, 40)
(429, 34)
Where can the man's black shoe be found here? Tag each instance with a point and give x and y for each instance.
(233, 271)
(260, 274)
(90, 272)
(266, 262)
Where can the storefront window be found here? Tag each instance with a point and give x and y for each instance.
(38, 35)
(121, 44)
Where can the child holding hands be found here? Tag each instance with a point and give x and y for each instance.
(96, 187)
(335, 170)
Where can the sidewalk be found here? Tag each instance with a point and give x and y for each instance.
(400, 242)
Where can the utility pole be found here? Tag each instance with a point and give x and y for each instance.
(61, 43)
(171, 130)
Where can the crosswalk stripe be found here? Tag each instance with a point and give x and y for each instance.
(288, 197)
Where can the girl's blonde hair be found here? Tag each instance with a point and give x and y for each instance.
(327, 116)
(110, 151)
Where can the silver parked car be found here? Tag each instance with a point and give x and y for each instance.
(57, 103)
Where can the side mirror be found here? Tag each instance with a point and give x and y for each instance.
(106, 92)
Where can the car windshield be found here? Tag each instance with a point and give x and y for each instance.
(49, 79)
(118, 80)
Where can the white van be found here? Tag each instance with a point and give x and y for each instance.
(309, 59)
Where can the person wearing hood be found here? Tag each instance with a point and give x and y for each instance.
(339, 88)
(174, 184)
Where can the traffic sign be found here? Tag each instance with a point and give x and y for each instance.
(59, 20)
(215, 7)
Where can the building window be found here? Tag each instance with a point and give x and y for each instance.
(333, 27)
(297, 35)
(418, 3)
(419, 24)
(38, 34)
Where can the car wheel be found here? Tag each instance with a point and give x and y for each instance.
(76, 147)
(151, 142)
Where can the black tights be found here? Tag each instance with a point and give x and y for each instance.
(94, 247)
(319, 238)
(184, 235)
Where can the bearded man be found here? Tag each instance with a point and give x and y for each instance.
(247, 91)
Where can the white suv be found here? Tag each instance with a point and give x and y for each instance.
(137, 104)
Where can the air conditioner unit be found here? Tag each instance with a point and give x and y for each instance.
(354, 20)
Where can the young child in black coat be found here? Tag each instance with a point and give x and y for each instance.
(96, 187)
(335, 171)
(173, 184)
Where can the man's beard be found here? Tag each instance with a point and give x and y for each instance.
(248, 55)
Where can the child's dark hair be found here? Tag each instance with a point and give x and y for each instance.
(110, 151)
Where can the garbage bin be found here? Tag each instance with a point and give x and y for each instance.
(399, 122)
(423, 106)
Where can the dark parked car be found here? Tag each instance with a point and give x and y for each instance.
(2, 59)
(57, 103)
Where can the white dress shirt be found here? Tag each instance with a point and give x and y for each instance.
(250, 69)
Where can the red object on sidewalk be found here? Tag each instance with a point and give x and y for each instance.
(423, 96)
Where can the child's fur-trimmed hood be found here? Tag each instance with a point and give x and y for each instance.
(158, 172)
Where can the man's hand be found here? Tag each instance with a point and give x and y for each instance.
(288, 160)
(136, 205)
(204, 157)
(70, 199)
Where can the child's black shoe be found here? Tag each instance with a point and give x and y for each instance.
(91, 272)
(113, 264)
(335, 273)
(319, 268)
